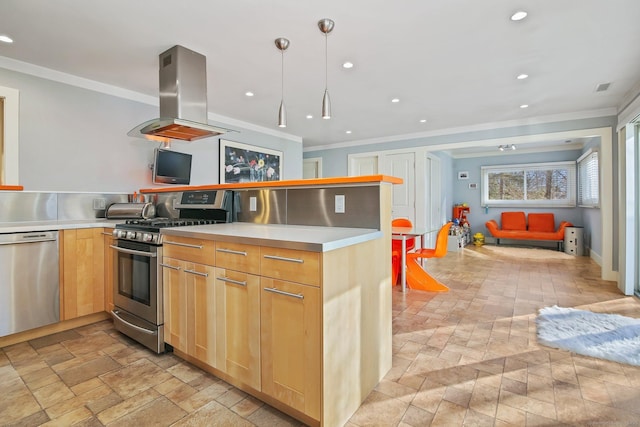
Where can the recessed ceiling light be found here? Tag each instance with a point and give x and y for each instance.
(309, 116)
(347, 65)
(423, 120)
(524, 106)
(522, 76)
(395, 100)
(249, 94)
(348, 131)
(5, 39)
(519, 15)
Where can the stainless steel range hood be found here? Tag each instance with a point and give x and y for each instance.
(183, 100)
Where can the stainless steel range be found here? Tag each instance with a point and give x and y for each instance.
(138, 273)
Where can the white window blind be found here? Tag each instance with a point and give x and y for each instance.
(589, 180)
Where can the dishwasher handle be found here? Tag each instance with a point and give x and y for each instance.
(17, 238)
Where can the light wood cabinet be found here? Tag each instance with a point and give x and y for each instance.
(174, 303)
(290, 343)
(201, 313)
(82, 272)
(238, 257)
(109, 256)
(292, 265)
(238, 325)
(199, 251)
(189, 308)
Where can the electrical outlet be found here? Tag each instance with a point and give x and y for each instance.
(99, 204)
(253, 204)
(340, 203)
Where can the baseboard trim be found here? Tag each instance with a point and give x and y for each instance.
(53, 328)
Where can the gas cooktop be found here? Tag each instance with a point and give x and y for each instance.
(148, 230)
(155, 224)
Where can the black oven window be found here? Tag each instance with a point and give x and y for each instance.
(134, 279)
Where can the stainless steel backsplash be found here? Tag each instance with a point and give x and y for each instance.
(295, 206)
(23, 206)
(310, 206)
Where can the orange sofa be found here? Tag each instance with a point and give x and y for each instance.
(535, 226)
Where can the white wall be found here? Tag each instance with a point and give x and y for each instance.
(75, 139)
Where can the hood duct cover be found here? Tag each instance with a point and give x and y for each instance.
(183, 99)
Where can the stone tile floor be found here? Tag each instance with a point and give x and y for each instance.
(465, 357)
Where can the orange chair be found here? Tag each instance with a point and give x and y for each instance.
(396, 248)
(441, 245)
(395, 267)
(417, 277)
(396, 245)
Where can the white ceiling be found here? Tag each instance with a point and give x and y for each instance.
(453, 63)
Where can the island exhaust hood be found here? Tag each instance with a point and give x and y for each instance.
(183, 100)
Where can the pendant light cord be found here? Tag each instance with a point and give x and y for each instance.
(326, 60)
(282, 76)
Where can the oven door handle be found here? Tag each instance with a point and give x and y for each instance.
(136, 327)
(134, 252)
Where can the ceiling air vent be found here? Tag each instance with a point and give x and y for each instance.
(602, 87)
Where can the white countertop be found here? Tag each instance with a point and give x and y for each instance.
(20, 227)
(300, 237)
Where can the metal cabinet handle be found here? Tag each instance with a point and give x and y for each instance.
(289, 294)
(197, 273)
(134, 252)
(169, 266)
(107, 234)
(235, 282)
(229, 251)
(280, 258)
(136, 327)
(186, 245)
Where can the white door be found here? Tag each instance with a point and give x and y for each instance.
(433, 203)
(312, 168)
(402, 165)
(360, 165)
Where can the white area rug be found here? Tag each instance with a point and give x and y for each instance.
(606, 336)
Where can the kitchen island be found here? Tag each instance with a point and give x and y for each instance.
(296, 315)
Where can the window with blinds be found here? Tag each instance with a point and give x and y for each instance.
(528, 185)
(589, 180)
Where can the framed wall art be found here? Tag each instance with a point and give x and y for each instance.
(248, 163)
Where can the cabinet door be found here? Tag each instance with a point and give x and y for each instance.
(238, 323)
(108, 268)
(291, 350)
(200, 311)
(82, 272)
(174, 303)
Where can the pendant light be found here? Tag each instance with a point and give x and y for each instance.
(326, 25)
(282, 44)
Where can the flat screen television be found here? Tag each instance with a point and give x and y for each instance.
(171, 167)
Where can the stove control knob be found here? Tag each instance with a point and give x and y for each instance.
(122, 234)
(147, 237)
(131, 235)
(115, 233)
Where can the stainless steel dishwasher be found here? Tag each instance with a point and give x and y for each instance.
(29, 281)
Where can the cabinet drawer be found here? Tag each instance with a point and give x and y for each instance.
(291, 265)
(189, 249)
(238, 257)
